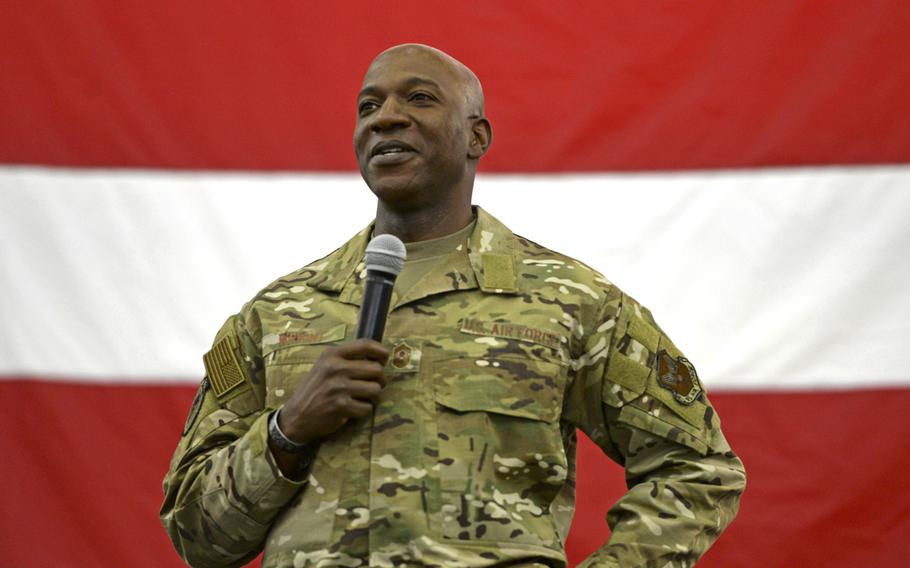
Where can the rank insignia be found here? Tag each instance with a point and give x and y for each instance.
(401, 356)
(405, 357)
(678, 376)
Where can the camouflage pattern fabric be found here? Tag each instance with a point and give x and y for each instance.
(469, 458)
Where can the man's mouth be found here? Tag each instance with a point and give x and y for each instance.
(390, 152)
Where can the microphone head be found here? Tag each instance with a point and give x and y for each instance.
(386, 253)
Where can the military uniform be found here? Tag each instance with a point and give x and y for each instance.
(469, 457)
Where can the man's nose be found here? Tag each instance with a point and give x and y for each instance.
(389, 116)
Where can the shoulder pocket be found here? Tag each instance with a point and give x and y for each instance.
(665, 425)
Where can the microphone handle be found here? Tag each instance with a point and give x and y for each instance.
(377, 295)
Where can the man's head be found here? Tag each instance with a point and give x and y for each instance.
(420, 128)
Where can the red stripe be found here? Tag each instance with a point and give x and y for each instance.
(608, 86)
(825, 477)
(84, 483)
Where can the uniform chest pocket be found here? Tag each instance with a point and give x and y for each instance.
(285, 368)
(501, 459)
(290, 355)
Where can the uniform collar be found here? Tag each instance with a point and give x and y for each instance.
(492, 265)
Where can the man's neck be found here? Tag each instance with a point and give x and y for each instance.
(423, 224)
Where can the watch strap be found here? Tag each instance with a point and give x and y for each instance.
(281, 440)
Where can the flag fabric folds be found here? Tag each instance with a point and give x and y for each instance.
(743, 172)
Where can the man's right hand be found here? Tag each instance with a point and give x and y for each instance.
(344, 384)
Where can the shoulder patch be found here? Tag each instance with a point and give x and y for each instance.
(197, 406)
(678, 376)
(498, 272)
(223, 367)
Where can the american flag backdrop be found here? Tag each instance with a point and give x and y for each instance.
(743, 169)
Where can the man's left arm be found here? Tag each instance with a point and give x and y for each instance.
(678, 501)
(684, 482)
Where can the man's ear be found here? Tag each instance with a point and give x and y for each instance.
(481, 137)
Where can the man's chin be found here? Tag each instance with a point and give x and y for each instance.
(397, 192)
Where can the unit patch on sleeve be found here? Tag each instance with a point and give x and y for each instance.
(678, 376)
(223, 367)
(197, 405)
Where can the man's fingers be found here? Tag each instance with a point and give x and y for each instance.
(364, 390)
(364, 370)
(363, 349)
(358, 408)
(345, 383)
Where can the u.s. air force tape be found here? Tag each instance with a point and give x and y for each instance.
(223, 367)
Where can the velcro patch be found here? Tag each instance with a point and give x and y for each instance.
(678, 376)
(498, 272)
(644, 333)
(223, 367)
(628, 373)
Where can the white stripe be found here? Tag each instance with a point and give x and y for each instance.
(765, 278)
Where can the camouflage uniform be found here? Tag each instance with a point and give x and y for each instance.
(469, 457)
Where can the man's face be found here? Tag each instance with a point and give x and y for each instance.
(413, 132)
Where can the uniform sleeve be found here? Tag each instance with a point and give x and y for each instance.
(223, 488)
(641, 401)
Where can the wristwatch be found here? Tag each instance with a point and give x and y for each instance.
(281, 440)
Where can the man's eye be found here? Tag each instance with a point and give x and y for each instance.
(421, 98)
(367, 106)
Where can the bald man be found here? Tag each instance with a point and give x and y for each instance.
(453, 442)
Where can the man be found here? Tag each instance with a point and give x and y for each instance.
(453, 443)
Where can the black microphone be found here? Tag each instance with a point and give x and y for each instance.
(384, 258)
